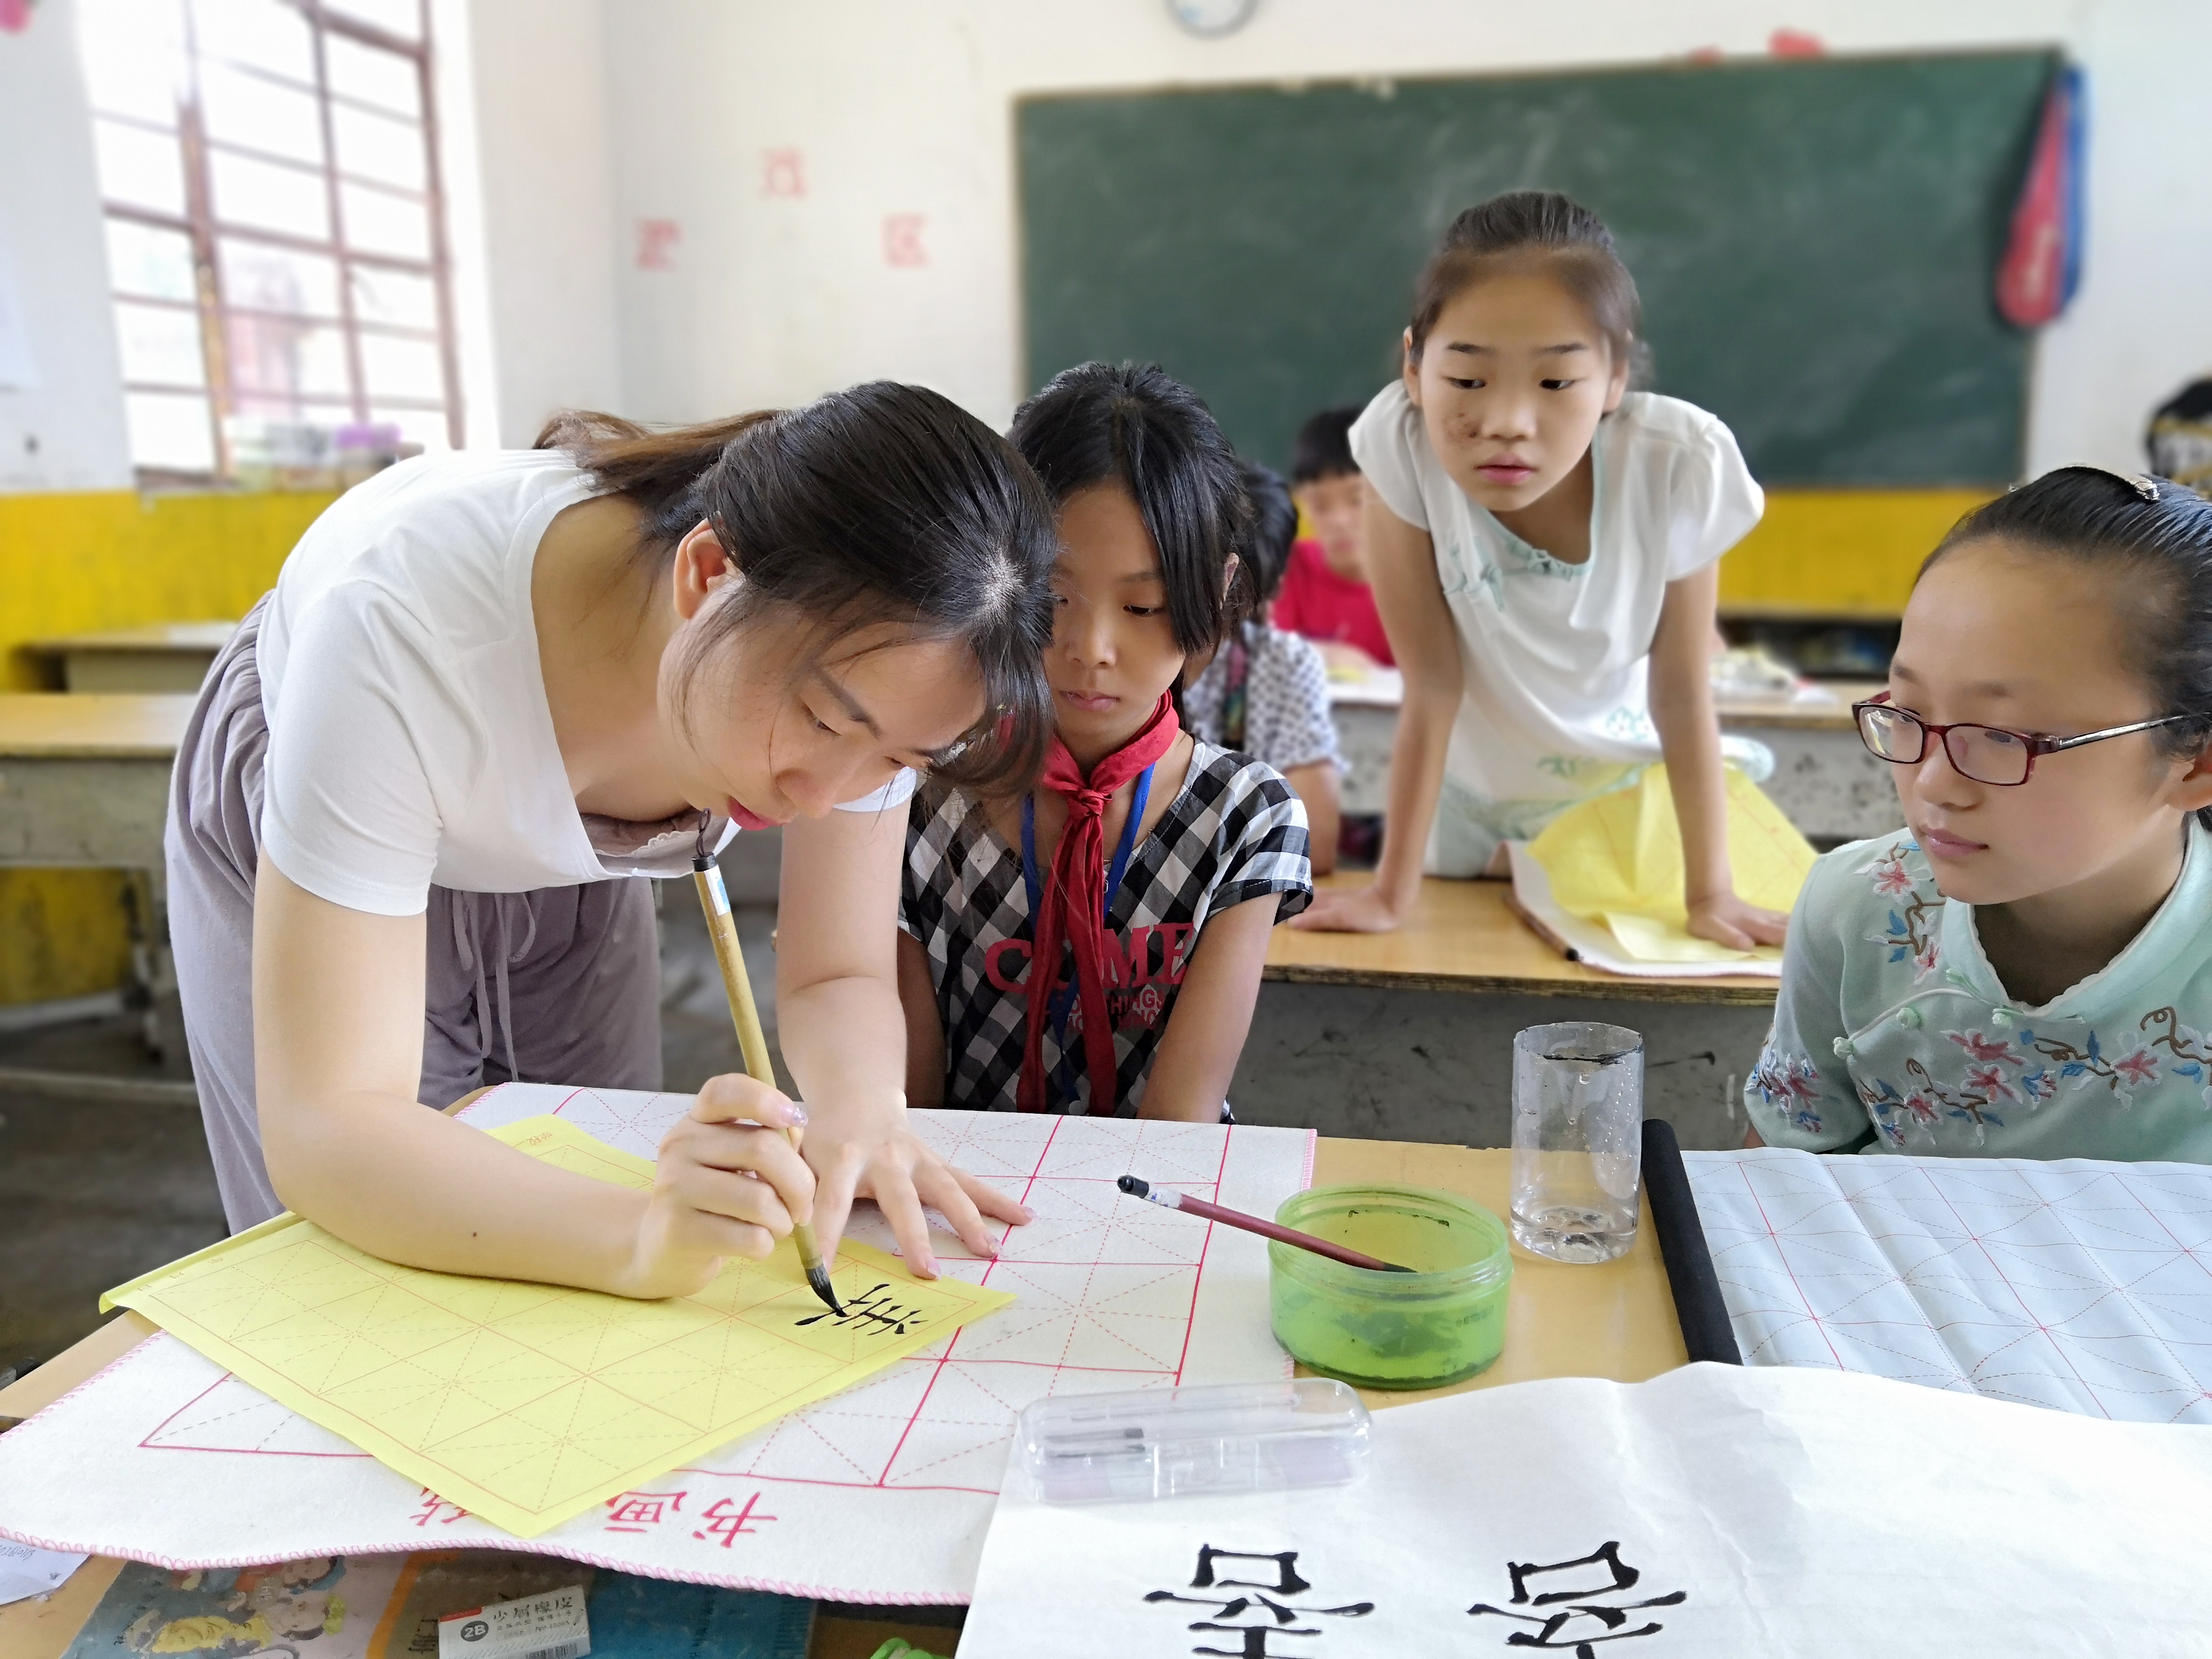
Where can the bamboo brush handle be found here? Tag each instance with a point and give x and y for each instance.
(744, 1012)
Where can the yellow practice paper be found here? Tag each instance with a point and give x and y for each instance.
(526, 1404)
(1618, 859)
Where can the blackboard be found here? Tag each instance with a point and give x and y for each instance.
(1815, 240)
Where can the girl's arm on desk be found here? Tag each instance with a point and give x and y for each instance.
(1403, 562)
(337, 1025)
(1213, 1015)
(1690, 737)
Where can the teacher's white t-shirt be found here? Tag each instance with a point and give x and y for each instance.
(410, 740)
(1556, 705)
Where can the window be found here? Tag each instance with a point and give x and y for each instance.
(275, 227)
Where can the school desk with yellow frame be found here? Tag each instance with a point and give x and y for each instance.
(1615, 1320)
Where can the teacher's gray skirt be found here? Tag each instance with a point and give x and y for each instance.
(561, 985)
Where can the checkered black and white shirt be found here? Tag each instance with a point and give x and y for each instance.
(1236, 832)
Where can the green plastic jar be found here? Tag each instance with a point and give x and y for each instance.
(1442, 1321)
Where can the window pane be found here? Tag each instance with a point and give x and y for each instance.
(251, 428)
(160, 344)
(373, 147)
(133, 53)
(171, 432)
(270, 197)
(401, 17)
(426, 427)
(259, 277)
(375, 76)
(157, 264)
(401, 368)
(392, 296)
(265, 33)
(144, 169)
(275, 355)
(379, 223)
(258, 114)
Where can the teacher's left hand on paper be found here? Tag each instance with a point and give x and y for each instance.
(864, 1151)
(722, 1188)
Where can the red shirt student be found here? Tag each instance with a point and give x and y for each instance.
(1325, 596)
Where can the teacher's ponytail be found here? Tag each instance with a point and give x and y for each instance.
(880, 504)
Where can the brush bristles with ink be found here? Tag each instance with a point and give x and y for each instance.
(1253, 1223)
(745, 1014)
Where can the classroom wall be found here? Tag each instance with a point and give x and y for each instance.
(542, 243)
(838, 175)
(74, 562)
(66, 431)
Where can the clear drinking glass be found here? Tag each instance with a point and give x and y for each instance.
(1578, 1140)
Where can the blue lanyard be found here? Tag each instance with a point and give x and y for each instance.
(1058, 1008)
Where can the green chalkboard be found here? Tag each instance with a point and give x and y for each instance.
(1815, 240)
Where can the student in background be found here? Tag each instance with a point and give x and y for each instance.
(1265, 693)
(1544, 543)
(1157, 862)
(1325, 595)
(2026, 971)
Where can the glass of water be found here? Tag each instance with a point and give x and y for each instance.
(1578, 1140)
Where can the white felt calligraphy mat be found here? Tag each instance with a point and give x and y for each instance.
(1716, 1512)
(879, 1494)
(2080, 1286)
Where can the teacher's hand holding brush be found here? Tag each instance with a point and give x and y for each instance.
(722, 1188)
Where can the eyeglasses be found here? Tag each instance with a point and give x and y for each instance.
(1987, 754)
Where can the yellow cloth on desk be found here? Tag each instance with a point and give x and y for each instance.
(527, 1404)
(1619, 859)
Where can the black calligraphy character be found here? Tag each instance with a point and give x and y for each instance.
(875, 1312)
(1273, 1618)
(1558, 1630)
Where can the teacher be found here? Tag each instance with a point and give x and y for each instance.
(489, 688)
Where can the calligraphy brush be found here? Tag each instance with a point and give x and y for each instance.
(715, 900)
(1253, 1223)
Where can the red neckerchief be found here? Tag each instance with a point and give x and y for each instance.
(1071, 901)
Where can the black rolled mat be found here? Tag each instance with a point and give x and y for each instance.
(1698, 1308)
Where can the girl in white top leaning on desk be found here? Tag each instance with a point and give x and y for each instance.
(490, 687)
(1543, 543)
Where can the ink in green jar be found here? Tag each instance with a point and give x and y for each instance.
(1444, 1321)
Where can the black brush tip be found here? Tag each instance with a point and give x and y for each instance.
(1133, 1187)
(819, 1279)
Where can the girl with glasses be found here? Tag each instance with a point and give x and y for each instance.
(2026, 971)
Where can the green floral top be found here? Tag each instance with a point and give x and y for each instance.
(1891, 1016)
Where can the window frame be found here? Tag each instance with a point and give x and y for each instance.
(205, 234)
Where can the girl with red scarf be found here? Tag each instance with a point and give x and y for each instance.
(1095, 945)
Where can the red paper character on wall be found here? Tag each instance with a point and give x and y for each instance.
(903, 246)
(656, 244)
(783, 172)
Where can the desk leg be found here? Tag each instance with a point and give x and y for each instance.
(145, 901)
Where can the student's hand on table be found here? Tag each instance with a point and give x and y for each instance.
(1348, 910)
(1726, 920)
(869, 1152)
(725, 1186)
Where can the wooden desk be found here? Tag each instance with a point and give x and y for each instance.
(1462, 937)
(171, 657)
(84, 782)
(1613, 1321)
